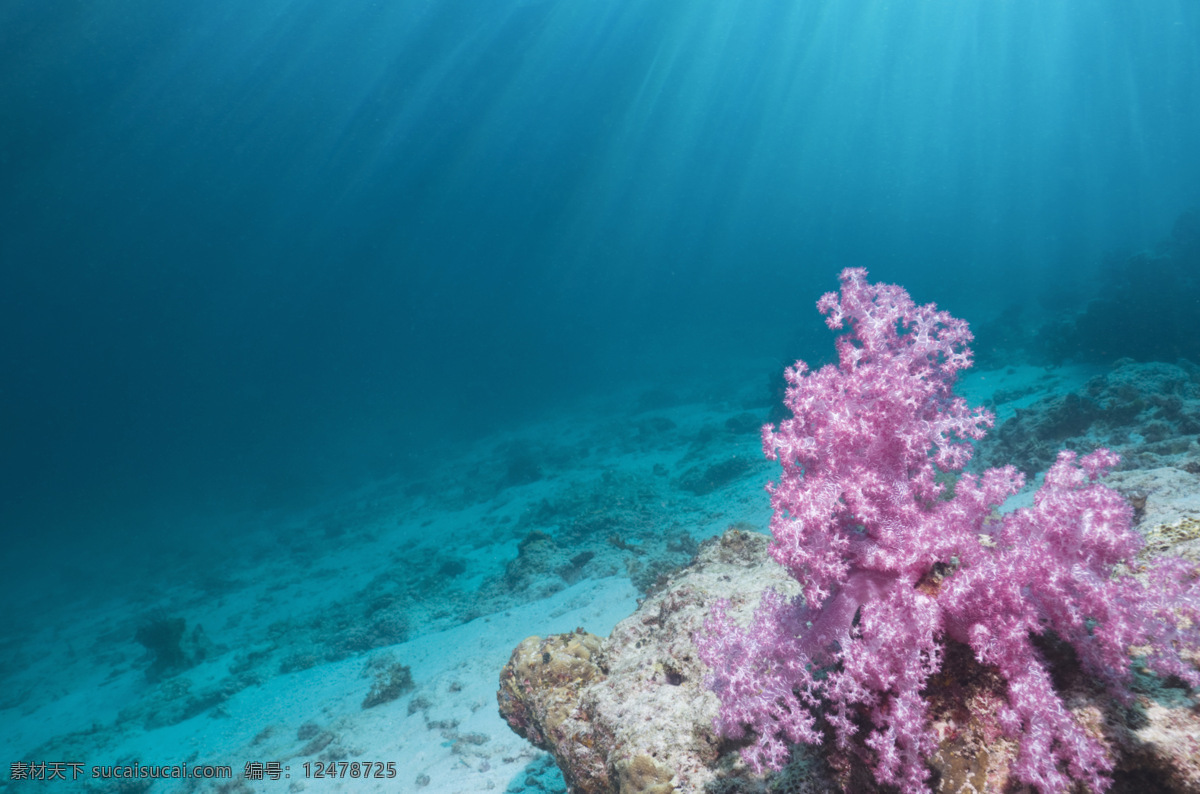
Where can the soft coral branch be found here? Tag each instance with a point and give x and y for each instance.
(864, 523)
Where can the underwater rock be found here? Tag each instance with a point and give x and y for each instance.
(630, 713)
(389, 680)
(163, 637)
(1148, 413)
(538, 554)
(173, 648)
(1166, 505)
(522, 466)
(539, 697)
(703, 480)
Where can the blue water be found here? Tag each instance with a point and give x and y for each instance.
(255, 254)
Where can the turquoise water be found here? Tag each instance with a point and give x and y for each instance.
(257, 256)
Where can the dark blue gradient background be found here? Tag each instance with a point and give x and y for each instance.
(251, 253)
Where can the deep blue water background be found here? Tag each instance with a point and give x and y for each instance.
(253, 253)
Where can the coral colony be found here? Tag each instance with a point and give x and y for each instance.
(896, 558)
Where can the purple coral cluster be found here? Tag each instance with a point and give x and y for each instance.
(896, 557)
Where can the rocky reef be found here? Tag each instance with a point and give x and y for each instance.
(631, 712)
(1148, 413)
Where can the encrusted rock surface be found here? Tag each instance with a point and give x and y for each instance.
(1167, 501)
(631, 714)
(540, 693)
(638, 718)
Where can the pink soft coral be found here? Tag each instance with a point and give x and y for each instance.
(864, 523)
